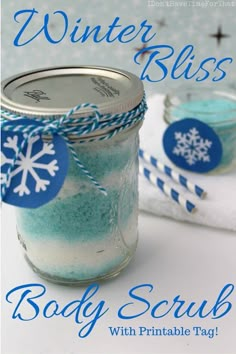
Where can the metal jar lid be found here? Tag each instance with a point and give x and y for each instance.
(54, 91)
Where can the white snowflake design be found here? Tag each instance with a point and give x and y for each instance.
(192, 147)
(28, 164)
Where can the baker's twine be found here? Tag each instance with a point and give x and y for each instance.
(70, 128)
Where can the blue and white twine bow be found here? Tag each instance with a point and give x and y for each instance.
(68, 128)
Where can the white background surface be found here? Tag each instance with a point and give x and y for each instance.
(176, 258)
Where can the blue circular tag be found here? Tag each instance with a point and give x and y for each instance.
(39, 171)
(192, 145)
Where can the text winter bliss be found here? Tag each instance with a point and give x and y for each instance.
(163, 59)
(30, 301)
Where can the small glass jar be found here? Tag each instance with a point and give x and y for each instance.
(81, 235)
(214, 106)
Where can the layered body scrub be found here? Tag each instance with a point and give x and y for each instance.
(82, 234)
(213, 106)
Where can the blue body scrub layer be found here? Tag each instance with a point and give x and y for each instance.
(81, 218)
(219, 114)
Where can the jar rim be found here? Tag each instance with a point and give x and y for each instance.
(84, 100)
(115, 91)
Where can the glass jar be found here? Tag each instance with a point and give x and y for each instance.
(214, 106)
(82, 235)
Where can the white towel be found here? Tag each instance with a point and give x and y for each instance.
(218, 209)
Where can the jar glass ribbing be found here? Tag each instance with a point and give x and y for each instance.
(82, 235)
(212, 105)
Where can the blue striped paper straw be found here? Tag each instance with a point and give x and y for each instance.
(167, 190)
(172, 174)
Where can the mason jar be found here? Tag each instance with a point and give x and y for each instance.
(214, 106)
(82, 235)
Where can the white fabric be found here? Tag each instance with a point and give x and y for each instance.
(218, 209)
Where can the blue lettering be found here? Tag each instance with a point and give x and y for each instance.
(126, 35)
(53, 311)
(114, 330)
(181, 59)
(85, 314)
(19, 42)
(185, 54)
(111, 30)
(65, 27)
(158, 62)
(177, 313)
(25, 25)
(153, 314)
(136, 297)
(206, 71)
(126, 32)
(220, 302)
(187, 70)
(131, 29)
(97, 311)
(230, 60)
(183, 65)
(220, 308)
(87, 33)
(110, 36)
(24, 299)
(148, 29)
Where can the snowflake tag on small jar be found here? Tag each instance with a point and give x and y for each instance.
(38, 172)
(192, 145)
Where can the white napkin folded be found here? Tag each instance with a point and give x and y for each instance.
(218, 209)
